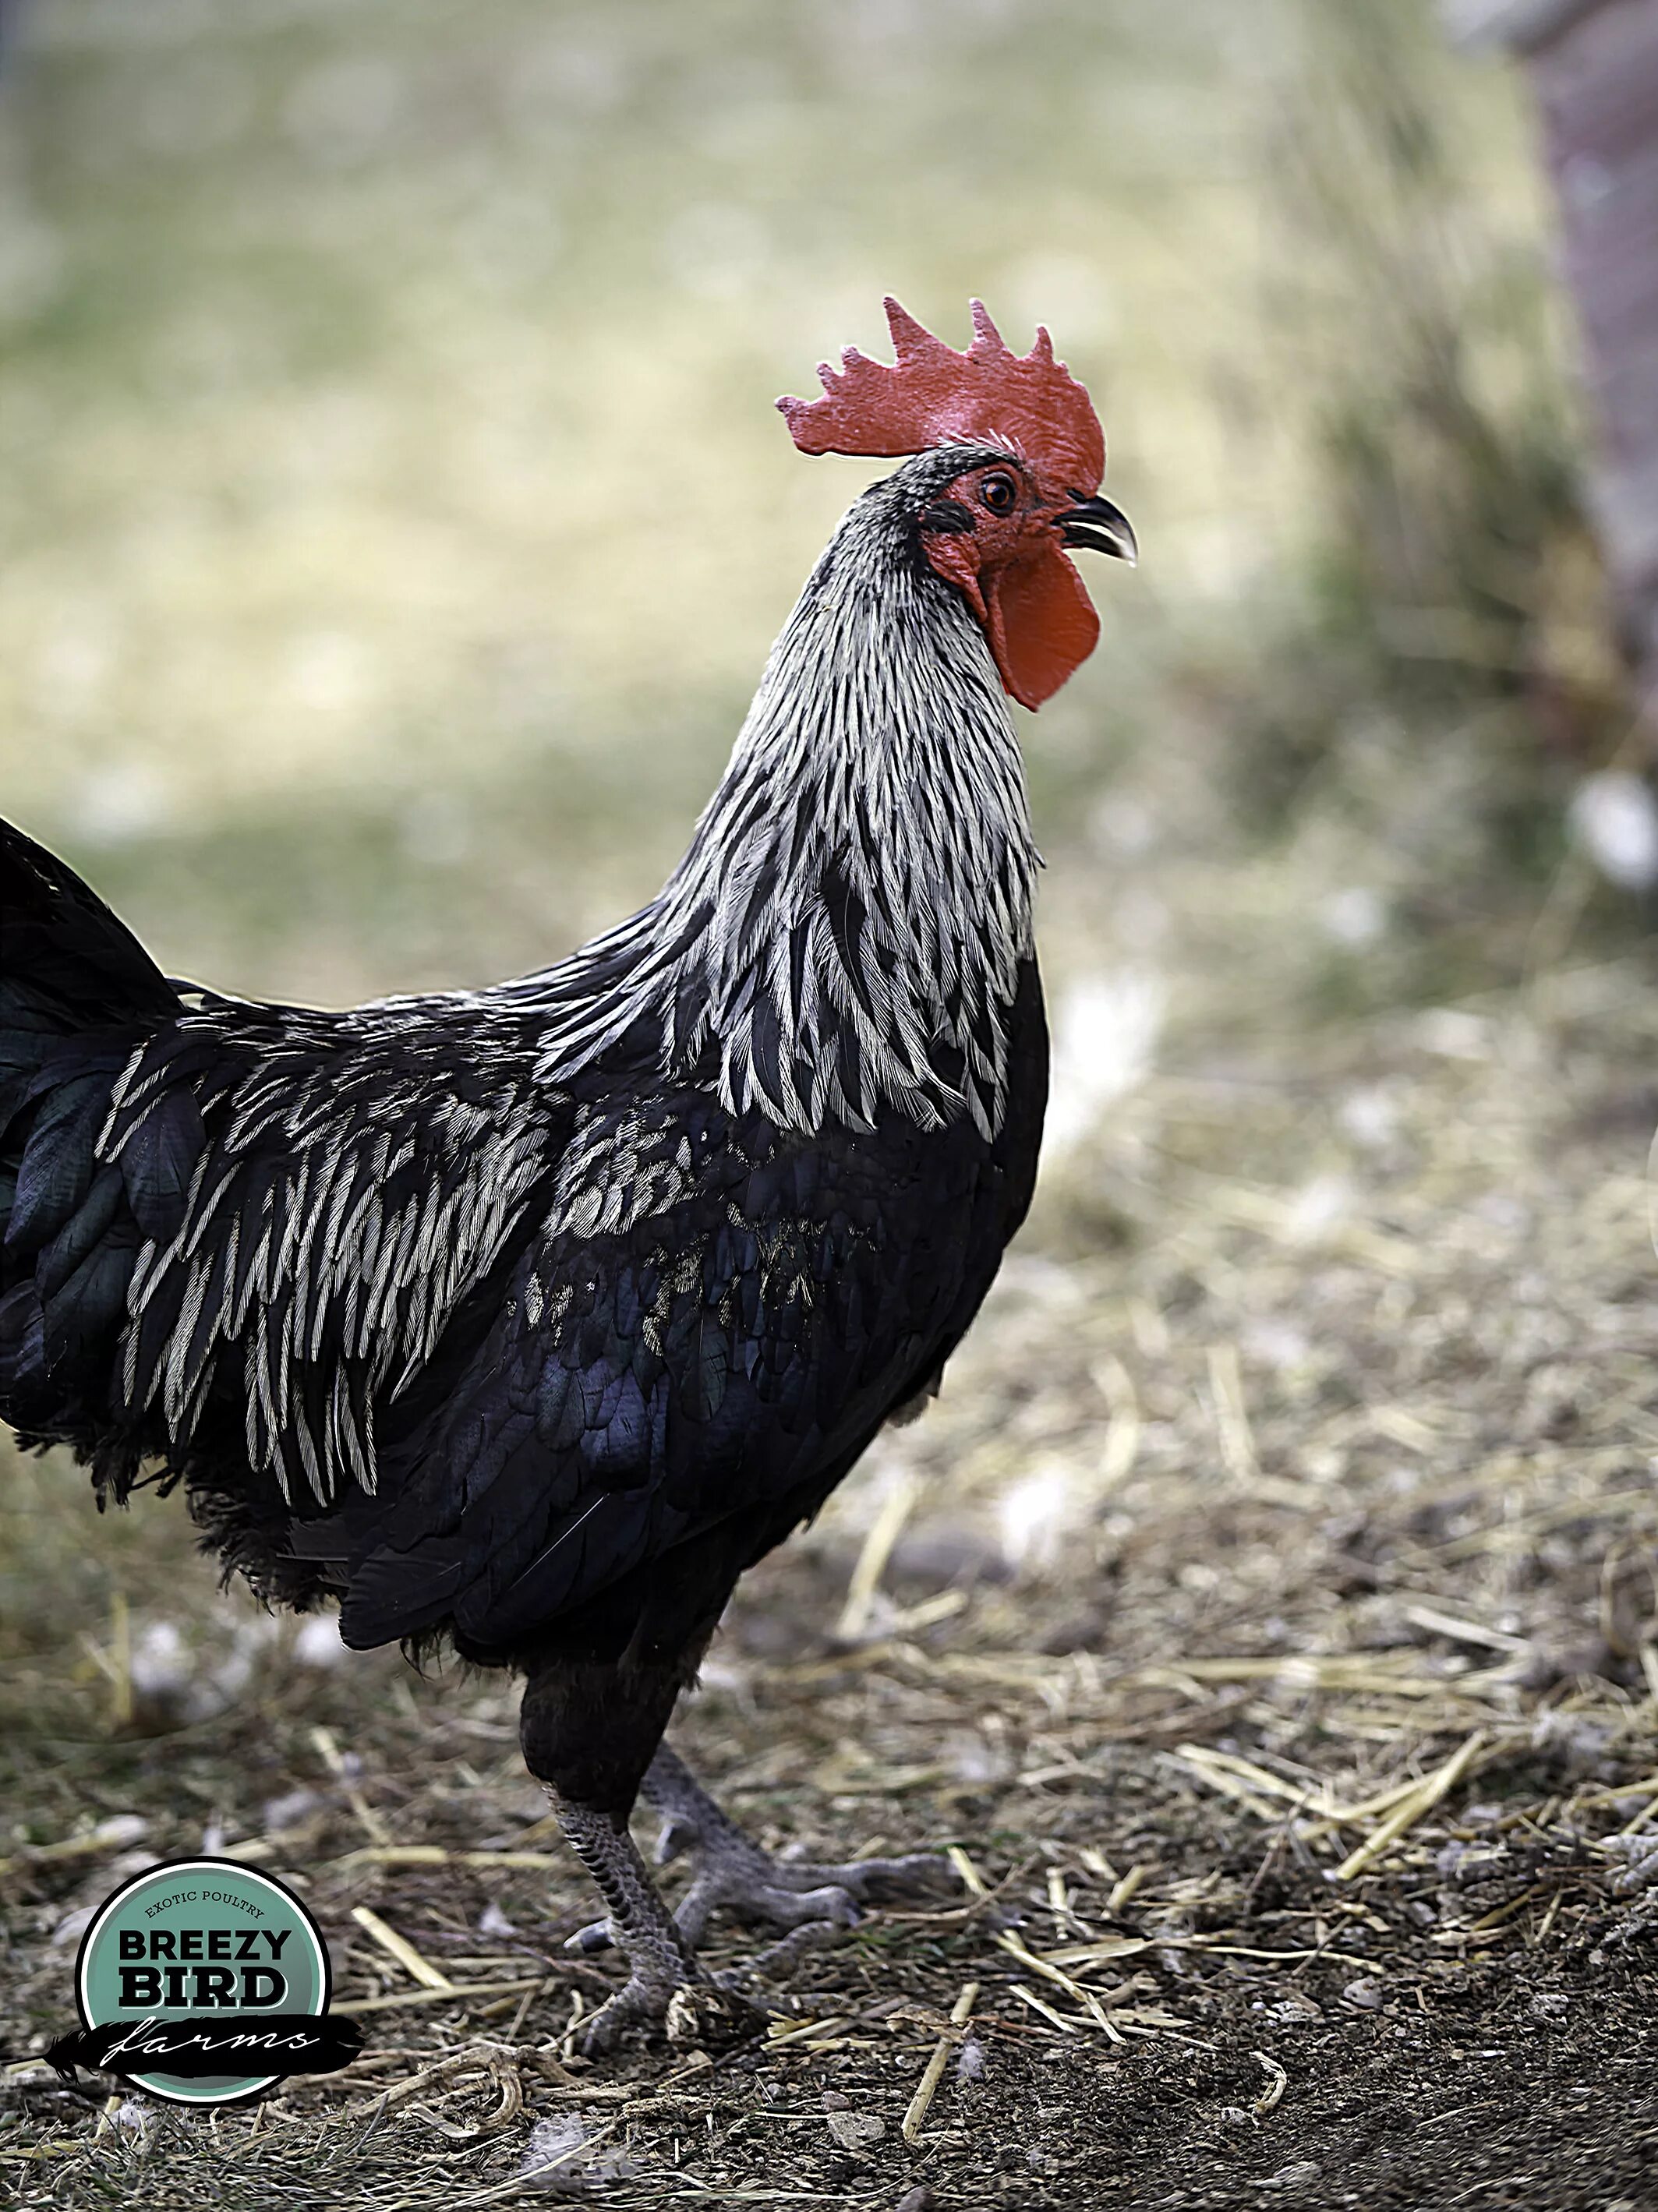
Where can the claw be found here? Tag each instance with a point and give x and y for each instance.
(677, 1837)
(596, 1936)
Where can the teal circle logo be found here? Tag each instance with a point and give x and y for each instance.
(199, 1963)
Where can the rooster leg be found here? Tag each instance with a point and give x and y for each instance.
(664, 1986)
(731, 1870)
(588, 1732)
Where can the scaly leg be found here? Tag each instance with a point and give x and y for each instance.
(588, 1731)
(663, 1984)
(733, 1871)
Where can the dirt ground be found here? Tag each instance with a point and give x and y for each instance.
(1267, 1615)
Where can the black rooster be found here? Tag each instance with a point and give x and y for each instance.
(530, 1317)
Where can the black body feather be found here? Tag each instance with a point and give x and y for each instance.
(539, 1346)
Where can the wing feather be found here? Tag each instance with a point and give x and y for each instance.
(720, 1361)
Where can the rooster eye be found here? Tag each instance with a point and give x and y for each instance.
(999, 494)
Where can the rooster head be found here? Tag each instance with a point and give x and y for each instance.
(1001, 530)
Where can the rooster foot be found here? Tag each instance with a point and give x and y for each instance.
(694, 2014)
(665, 1991)
(812, 1901)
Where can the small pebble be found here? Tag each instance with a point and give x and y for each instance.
(856, 2130)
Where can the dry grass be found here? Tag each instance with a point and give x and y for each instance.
(1267, 1616)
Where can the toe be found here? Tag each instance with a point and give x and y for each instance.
(599, 2036)
(794, 1908)
(677, 1837)
(596, 1936)
(919, 1873)
(779, 1960)
(703, 2015)
(872, 1880)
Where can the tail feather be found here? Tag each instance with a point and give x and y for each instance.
(67, 963)
(78, 996)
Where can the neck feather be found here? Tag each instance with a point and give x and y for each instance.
(845, 933)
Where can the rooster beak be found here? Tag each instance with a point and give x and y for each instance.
(1100, 525)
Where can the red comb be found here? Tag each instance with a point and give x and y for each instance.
(1028, 404)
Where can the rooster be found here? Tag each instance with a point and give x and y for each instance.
(527, 1319)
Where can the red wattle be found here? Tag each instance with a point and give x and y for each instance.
(1041, 623)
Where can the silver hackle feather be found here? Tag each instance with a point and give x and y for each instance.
(843, 937)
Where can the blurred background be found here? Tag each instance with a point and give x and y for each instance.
(395, 517)
(394, 521)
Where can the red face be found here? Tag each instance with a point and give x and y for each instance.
(1002, 536)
